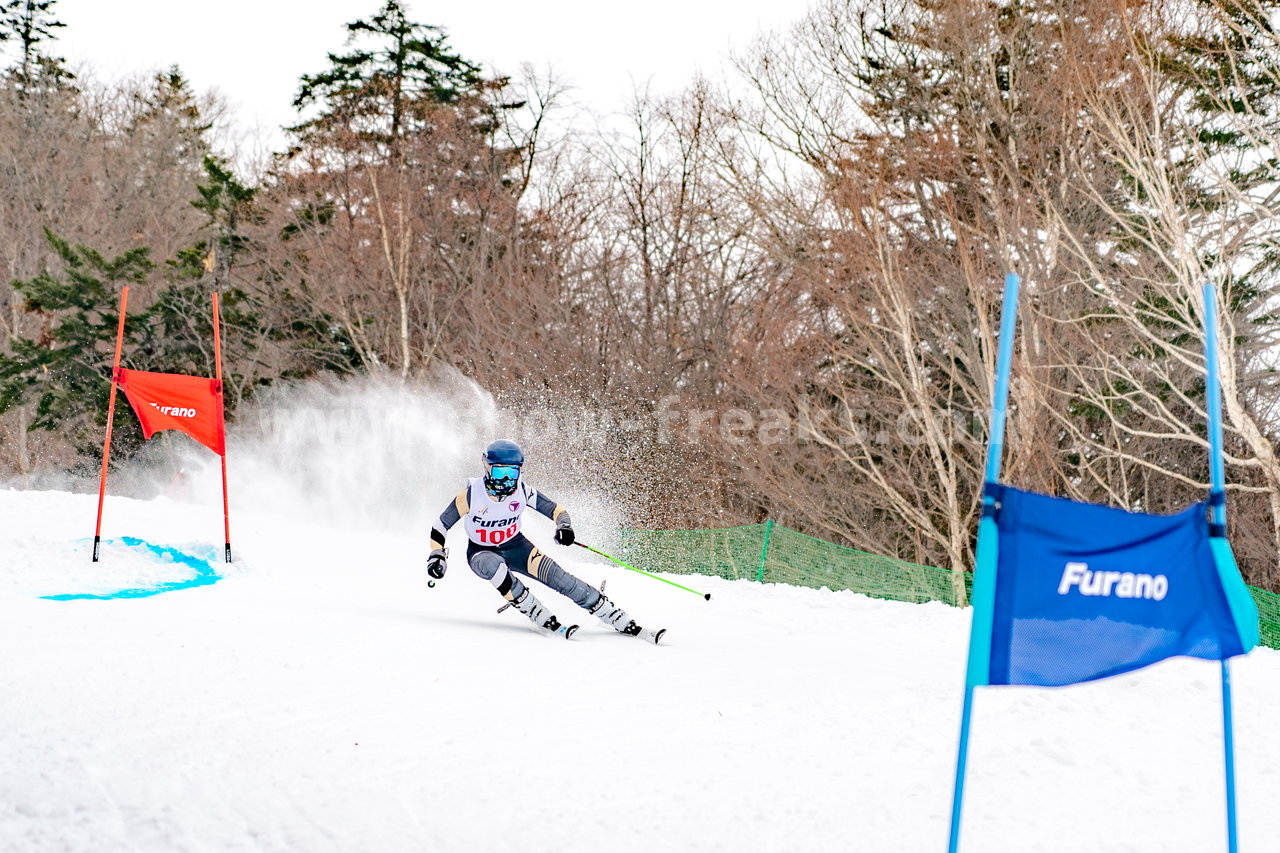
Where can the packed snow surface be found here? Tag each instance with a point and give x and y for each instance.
(320, 697)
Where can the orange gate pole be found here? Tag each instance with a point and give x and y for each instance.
(217, 355)
(111, 414)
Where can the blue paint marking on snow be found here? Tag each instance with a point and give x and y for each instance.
(205, 574)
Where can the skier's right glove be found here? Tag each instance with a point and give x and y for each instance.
(436, 564)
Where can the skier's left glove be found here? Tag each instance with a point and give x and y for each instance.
(564, 533)
(436, 564)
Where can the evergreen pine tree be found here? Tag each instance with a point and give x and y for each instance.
(227, 203)
(374, 90)
(64, 368)
(29, 23)
(168, 115)
(270, 333)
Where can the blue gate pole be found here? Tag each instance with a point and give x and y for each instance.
(977, 670)
(1229, 750)
(1218, 511)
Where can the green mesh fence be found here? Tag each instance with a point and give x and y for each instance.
(731, 552)
(772, 553)
(1268, 616)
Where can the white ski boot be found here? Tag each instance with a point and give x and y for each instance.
(528, 604)
(619, 620)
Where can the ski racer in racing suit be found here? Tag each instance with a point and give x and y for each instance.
(491, 508)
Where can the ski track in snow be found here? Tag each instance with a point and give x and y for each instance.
(322, 698)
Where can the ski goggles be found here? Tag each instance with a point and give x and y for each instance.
(504, 472)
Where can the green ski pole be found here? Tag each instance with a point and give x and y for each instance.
(707, 596)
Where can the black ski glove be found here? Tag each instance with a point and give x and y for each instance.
(436, 564)
(564, 535)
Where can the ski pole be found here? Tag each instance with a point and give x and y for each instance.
(707, 596)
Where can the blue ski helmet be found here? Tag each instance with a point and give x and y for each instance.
(502, 461)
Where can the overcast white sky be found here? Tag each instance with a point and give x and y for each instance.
(254, 51)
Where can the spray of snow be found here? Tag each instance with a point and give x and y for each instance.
(374, 454)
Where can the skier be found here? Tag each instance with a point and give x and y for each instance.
(497, 551)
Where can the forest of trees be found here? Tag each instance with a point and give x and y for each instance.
(780, 291)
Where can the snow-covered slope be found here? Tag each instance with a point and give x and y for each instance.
(319, 697)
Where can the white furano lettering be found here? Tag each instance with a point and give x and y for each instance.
(1107, 584)
(175, 411)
